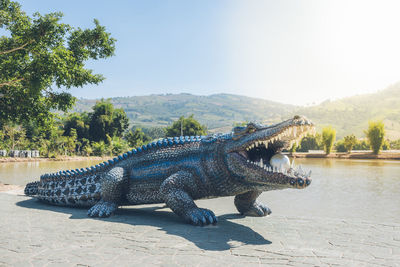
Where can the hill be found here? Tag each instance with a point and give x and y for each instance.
(351, 114)
(220, 111)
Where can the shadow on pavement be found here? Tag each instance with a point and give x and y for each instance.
(225, 235)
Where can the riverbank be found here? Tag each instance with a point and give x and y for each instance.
(358, 155)
(60, 158)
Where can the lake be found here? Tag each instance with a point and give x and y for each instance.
(341, 188)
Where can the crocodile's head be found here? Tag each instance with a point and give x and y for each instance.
(253, 153)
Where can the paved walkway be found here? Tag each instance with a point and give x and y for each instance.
(36, 234)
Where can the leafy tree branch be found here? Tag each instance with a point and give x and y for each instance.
(41, 58)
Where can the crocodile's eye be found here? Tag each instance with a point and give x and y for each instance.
(251, 128)
(239, 129)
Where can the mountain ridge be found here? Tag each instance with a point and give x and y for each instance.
(349, 115)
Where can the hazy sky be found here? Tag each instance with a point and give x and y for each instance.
(296, 52)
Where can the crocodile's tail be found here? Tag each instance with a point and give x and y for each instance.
(31, 189)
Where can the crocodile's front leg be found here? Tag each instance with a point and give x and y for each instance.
(248, 205)
(112, 191)
(176, 192)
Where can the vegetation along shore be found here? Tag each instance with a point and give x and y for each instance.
(343, 155)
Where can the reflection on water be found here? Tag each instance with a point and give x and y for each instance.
(341, 188)
(21, 173)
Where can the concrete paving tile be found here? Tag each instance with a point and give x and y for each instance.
(38, 235)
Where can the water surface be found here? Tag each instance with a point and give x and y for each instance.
(341, 188)
(21, 173)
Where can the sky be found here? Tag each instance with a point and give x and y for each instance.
(294, 52)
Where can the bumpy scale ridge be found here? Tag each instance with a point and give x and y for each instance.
(165, 142)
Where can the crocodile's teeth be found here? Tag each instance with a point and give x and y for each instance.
(261, 163)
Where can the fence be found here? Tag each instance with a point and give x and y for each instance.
(20, 153)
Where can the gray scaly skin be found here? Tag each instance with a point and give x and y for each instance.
(179, 170)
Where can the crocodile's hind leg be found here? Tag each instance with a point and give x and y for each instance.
(176, 190)
(248, 205)
(113, 185)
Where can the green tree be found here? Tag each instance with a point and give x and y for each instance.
(361, 145)
(86, 147)
(310, 142)
(14, 137)
(328, 138)
(293, 149)
(106, 121)
(349, 142)
(137, 137)
(2, 143)
(71, 142)
(386, 144)
(119, 146)
(154, 132)
(120, 122)
(395, 144)
(57, 141)
(98, 148)
(340, 147)
(40, 57)
(79, 122)
(185, 126)
(375, 135)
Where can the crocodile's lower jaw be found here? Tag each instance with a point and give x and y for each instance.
(258, 160)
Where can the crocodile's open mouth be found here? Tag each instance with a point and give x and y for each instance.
(265, 156)
(260, 153)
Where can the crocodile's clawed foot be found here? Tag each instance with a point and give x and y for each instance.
(102, 209)
(201, 217)
(257, 209)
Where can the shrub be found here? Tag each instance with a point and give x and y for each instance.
(99, 148)
(328, 138)
(375, 135)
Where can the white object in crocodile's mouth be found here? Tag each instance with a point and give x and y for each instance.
(279, 162)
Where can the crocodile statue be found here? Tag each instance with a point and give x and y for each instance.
(176, 171)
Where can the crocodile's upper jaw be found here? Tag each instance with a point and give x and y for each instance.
(252, 158)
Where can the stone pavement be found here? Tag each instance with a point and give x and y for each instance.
(36, 234)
